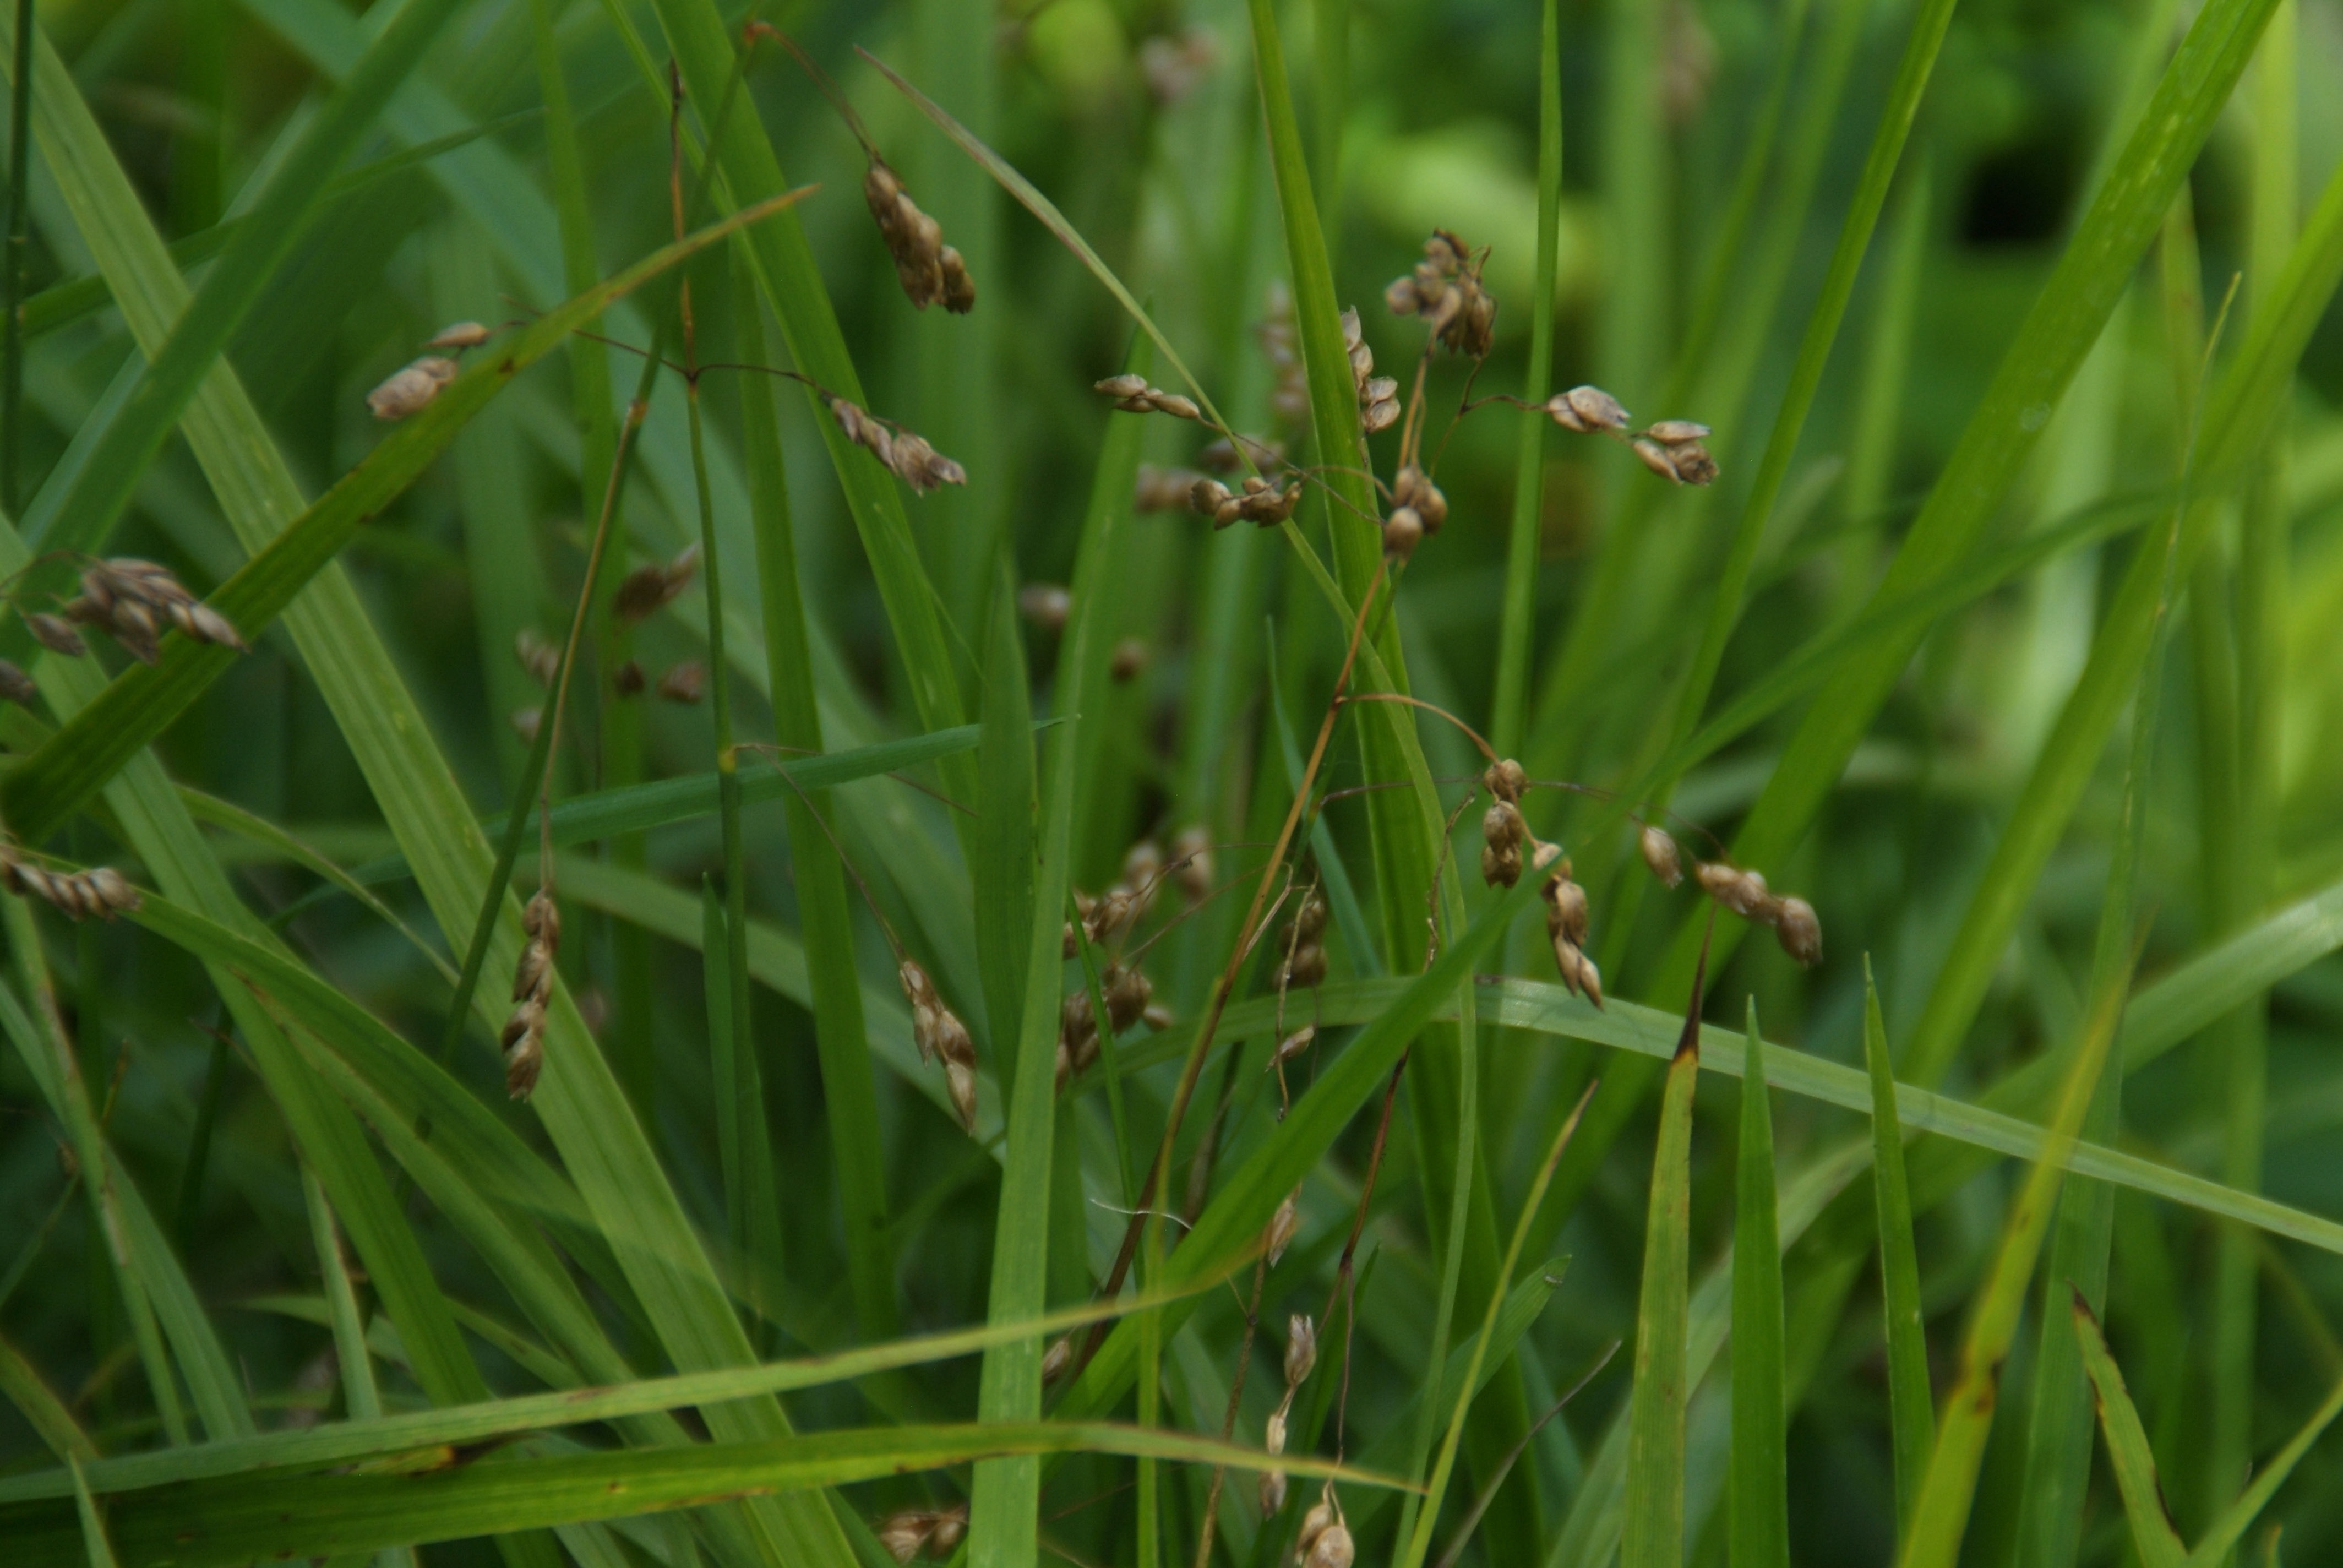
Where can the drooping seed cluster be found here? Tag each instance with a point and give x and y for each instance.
(410, 388)
(1133, 394)
(524, 1032)
(1325, 1541)
(1504, 836)
(1418, 510)
(930, 271)
(939, 1034)
(1302, 943)
(1301, 1356)
(1445, 290)
(100, 890)
(1128, 993)
(1743, 892)
(133, 601)
(1672, 449)
(1256, 501)
(1565, 926)
(936, 1532)
(1504, 830)
(1378, 395)
(653, 586)
(908, 456)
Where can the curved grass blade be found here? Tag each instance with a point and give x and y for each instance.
(2152, 1534)
(52, 784)
(214, 1524)
(1761, 1503)
(43, 1411)
(93, 1524)
(2230, 1528)
(1911, 1405)
(1652, 1534)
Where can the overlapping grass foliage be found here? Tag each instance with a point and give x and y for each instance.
(1046, 1056)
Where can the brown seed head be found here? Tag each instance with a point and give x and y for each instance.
(1333, 1549)
(1565, 910)
(1293, 1045)
(903, 1534)
(1800, 932)
(1122, 387)
(1659, 852)
(628, 679)
(1403, 531)
(459, 335)
(410, 388)
(1172, 66)
(1413, 488)
(15, 686)
(1282, 1227)
(1307, 968)
(1300, 1347)
(56, 633)
(1506, 779)
(1130, 657)
(1057, 1358)
(1310, 916)
(961, 1079)
(1314, 1523)
(952, 1524)
(1273, 1434)
(541, 658)
(1045, 605)
(1126, 995)
(525, 723)
(1589, 410)
(1579, 975)
(1742, 892)
(1272, 1487)
(686, 682)
(650, 587)
(1191, 854)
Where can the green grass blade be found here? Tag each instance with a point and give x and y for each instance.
(43, 1411)
(1653, 1535)
(50, 784)
(1940, 1515)
(1509, 713)
(1006, 810)
(2066, 320)
(826, 915)
(1003, 1505)
(1911, 1407)
(1761, 1503)
(93, 1524)
(260, 246)
(2152, 1534)
(705, 51)
(2231, 1526)
(221, 1522)
(355, 1362)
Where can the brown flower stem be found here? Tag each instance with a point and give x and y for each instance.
(1194, 1066)
(1229, 1417)
(1487, 750)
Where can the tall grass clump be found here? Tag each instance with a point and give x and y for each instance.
(984, 783)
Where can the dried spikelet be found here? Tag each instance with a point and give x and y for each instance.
(1403, 531)
(1127, 994)
(1659, 852)
(628, 681)
(951, 1524)
(686, 682)
(1192, 858)
(937, 1031)
(930, 271)
(125, 595)
(524, 1032)
(1355, 349)
(1314, 1523)
(459, 335)
(1742, 892)
(101, 890)
(1045, 605)
(1300, 1347)
(1379, 405)
(1333, 1549)
(1412, 486)
(1272, 1435)
(411, 388)
(1129, 657)
(1282, 1227)
(1566, 903)
(1161, 489)
(1445, 290)
(56, 634)
(1685, 462)
(1142, 872)
(1505, 779)
(15, 686)
(1801, 933)
(1273, 1491)
(1173, 66)
(906, 456)
(1133, 394)
(1293, 1045)
(525, 722)
(1579, 975)
(541, 658)
(652, 587)
(1156, 1016)
(1057, 1358)
(1503, 834)
(1589, 410)
(903, 1534)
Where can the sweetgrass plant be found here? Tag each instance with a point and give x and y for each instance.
(966, 783)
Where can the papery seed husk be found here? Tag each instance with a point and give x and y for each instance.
(1191, 851)
(1129, 657)
(1655, 457)
(1309, 917)
(1379, 417)
(686, 682)
(56, 634)
(1659, 852)
(523, 1064)
(459, 335)
(1045, 605)
(1675, 432)
(628, 680)
(1694, 466)
(1308, 966)
(1333, 1549)
(1403, 531)
(1566, 903)
(1273, 1488)
(1801, 933)
(959, 290)
(962, 1082)
(1500, 867)
(1596, 410)
(1506, 779)
(135, 631)
(113, 889)
(1300, 1347)
(15, 686)
(1501, 826)
(1055, 1360)
(1272, 1434)
(952, 1524)
(205, 624)
(1314, 1523)
(1126, 995)
(1282, 1226)
(1123, 386)
(405, 391)
(1293, 1045)
(1207, 496)
(903, 1534)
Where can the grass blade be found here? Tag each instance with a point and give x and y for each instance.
(1509, 713)
(92, 1523)
(1911, 1406)
(1761, 1503)
(51, 784)
(2152, 1534)
(43, 1411)
(2231, 1526)
(1652, 1536)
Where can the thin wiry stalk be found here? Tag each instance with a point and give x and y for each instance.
(12, 267)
